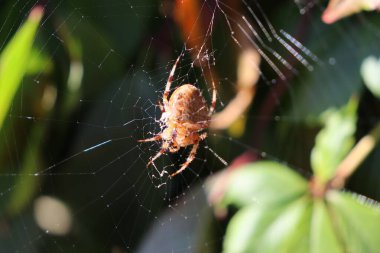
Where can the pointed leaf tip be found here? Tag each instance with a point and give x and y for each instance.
(36, 13)
(14, 60)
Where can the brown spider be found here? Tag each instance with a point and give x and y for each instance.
(184, 117)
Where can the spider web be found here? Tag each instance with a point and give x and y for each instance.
(72, 131)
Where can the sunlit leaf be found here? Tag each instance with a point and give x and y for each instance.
(245, 227)
(271, 221)
(281, 229)
(323, 237)
(358, 221)
(263, 183)
(370, 72)
(334, 141)
(39, 62)
(288, 229)
(14, 60)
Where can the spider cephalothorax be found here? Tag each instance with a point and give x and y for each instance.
(184, 117)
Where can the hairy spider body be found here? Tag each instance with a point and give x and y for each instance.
(184, 117)
(188, 111)
(187, 115)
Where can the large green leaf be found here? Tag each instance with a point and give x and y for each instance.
(289, 231)
(274, 217)
(280, 229)
(14, 60)
(263, 183)
(323, 237)
(246, 226)
(39, 62)
(358, 221)
(334, 141)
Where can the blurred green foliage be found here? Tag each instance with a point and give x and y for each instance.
(334, 142)
(14, 61)
(294, 220)
(281, 212)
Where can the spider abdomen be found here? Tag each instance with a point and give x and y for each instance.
(187, 105)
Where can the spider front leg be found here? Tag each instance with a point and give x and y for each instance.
(164, 147)
(189, 159)
(155, 138)
(161, 106)
(169, 83)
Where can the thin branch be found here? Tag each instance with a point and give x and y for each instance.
(357, 155)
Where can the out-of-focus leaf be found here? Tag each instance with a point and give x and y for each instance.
(74, 48)
(337, 223)
(323, 238)
(288, 230)
(281, 229)
(26, 182)
(245, 226)
(14, 60)
(334, 141)
(338, 9)
(39, 62)
(238, 128)
(370, 72)
(358, 222)
(263, 183)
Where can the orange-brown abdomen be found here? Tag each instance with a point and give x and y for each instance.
(187, 105)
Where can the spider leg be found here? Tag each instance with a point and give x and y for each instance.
(169, 83)
(162, 151)
(214, 91)
(155, 138)
(189, 159)
(203, 136)
(162, 108)
(213, 101)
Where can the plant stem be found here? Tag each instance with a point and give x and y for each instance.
(357, 155)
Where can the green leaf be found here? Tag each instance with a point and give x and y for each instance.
(323, 238)
(289, 231)
(246, 226)
(334, 141)
(264, 183)
(281, 229)
(358, 221)
(370, 72)
(26, 183)
(38, 62)
(14, 60)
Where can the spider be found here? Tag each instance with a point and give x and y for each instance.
(184, 116)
